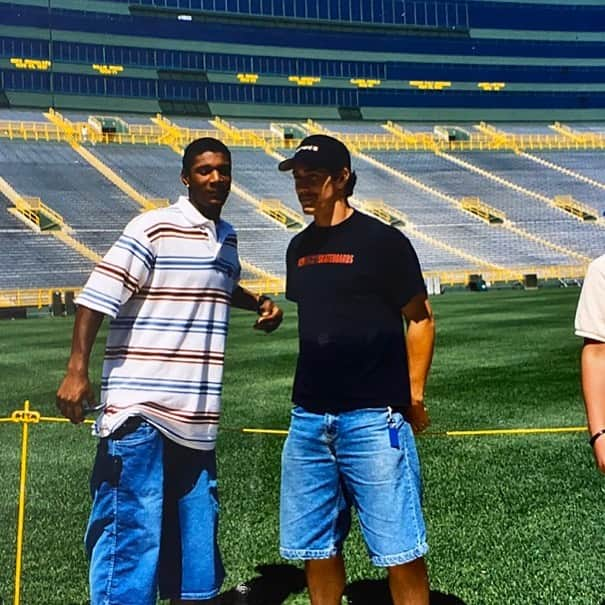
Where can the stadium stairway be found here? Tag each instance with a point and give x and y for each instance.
(581, 139)
(73, 133)
(239, 136)
(590, 139)
(575, 175)
(567, 131)
(179, 136)
(173, 133)
(419, 140)
(120, 183)
(508, 224)
(29, 215)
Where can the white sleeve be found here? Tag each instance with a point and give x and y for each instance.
(590, 314)
(121, 273)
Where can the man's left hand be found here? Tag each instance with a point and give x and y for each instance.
(270, 317)
(417, 415)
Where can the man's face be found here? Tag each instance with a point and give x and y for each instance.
(209, 182)
(315, 188)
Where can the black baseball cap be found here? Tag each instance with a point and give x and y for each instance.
(319, 151)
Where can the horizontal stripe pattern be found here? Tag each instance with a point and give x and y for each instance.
(167, 355)
(167, 284)
(170, 324)
(185, 294)
(167, 230)
(94, 299)
(119, 274)
(197, 387)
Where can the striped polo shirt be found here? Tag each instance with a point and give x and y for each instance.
(167, 284)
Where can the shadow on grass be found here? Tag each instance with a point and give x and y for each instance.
(376, 592)
(275, 584)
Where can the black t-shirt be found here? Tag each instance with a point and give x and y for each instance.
(350, 282)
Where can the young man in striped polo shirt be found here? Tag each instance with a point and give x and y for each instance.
(168, 284)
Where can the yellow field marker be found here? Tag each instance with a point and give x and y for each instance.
(570, 429)
(25, 417)
(481, 432)
(266, 431)
(18, 415)
(54, 419)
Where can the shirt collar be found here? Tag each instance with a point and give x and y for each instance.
(192, 214)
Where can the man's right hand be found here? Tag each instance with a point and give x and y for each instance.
(74, 390)
(417, 415)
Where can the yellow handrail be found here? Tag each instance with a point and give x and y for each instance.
(33, 297)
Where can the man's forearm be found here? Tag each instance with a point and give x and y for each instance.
(244, 299)
(86, 327)
(593, 384)
(420, 339)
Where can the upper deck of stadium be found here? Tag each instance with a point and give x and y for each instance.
(352, 59)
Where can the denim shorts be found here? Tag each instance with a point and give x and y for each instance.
(331, 462)
(153, 522)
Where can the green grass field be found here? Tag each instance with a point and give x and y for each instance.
(514, 519)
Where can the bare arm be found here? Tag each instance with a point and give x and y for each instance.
(270, 314)
(420, 339)
(76, 386)
(593, 388)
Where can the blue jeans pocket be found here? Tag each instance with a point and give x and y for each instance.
(135, 430)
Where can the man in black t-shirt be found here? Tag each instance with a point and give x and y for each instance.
(359, 390)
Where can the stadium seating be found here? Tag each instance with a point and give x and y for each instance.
(424, 187)
(537, 216)
(33, 260)
(66, 183)
(258, 173)
(442, 219)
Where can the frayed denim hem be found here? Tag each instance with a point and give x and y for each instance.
(402, 558)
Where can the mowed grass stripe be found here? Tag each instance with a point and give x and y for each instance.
(513, 519)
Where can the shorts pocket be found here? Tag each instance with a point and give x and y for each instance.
(126, 435)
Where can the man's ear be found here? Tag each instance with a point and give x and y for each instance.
(184, 179)
(343, 178)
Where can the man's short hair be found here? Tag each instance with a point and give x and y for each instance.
(200, 146)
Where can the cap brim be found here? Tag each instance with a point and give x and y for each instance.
(286, 165)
